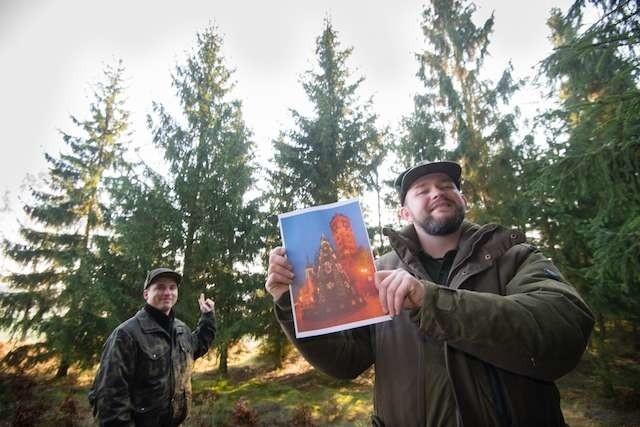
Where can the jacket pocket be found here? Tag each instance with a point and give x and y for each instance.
(155, 363)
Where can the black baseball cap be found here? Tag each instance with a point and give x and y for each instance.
(162, 271)
(405, 179)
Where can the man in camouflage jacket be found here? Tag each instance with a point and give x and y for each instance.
(144, 377)
(482, 323)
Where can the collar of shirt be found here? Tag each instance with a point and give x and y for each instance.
(166, 321)
(438, 268)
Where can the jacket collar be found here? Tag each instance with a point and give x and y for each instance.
(492, 239)
(148, 324)
(407, 238)
(407, 246)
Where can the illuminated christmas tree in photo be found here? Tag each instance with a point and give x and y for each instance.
(327, 289)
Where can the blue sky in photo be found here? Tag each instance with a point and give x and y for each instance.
(302, 233)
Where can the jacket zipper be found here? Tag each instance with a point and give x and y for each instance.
(172, 378)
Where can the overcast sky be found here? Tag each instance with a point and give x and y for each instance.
(52, 52)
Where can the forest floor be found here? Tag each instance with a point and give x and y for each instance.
(255, 394)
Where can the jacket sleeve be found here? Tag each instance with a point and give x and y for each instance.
(203, 335)
(109, 395)
(540, 328)
(344, 354)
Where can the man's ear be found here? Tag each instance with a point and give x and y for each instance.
(466, 203)
(405, 214)
(145, 293)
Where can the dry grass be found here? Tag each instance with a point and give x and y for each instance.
(253, 393)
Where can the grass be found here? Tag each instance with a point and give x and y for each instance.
(253, 394)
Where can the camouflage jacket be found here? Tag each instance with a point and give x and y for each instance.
(144, 377)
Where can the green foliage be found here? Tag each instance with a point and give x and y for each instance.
(209, 151)
(460, 116)
(56, 296)
(594, 154)
(590, 188)
(332, 154)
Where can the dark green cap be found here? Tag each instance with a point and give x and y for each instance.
(405, 179)
(162, 271)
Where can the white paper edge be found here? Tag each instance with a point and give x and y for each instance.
(343, 327)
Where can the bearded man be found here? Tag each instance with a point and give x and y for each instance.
(482, 322)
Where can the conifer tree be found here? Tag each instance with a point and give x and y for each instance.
(145, 233)
(332, 154)
(209, 153)
(329, 155)
(53, 296)
(590, 191)
(279, 198)
(460, 116)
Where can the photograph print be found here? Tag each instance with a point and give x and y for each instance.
(333, 287)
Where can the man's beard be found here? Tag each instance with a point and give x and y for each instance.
(443, 226)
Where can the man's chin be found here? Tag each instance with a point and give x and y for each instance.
(442, 225)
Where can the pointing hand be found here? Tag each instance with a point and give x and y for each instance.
(206, 305)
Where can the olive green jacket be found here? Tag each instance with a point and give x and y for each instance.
(144, 377)
(508, 322)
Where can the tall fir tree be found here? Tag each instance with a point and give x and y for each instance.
(209, 154)
(53, 297)
(462, 117)
(145, 232)
(279, 198)
(590, 184)
(330, 154)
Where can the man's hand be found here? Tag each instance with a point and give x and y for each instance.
(279, 273)
(206, 305)
(398, 289)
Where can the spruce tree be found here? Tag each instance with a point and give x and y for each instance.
(209, 152)
(460, 116)
(145, 233)
(330, 154)
(53, 297)
(590, 183)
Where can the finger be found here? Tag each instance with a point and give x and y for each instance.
(201, 299)
(391, 289)
(383, 280)
(284, 270)
(278, 255)
(275, 279)
(278, 250)
(402, 292)
(276, 284)
(381, 275)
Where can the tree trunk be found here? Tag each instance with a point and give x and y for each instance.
(223, 366)
(636, 337)
(63, 368)
(603, 358)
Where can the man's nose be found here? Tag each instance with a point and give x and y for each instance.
(436, 193)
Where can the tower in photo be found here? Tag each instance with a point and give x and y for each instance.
(343, 236)
(356, 261)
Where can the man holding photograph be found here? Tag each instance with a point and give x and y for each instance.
(482, 323)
